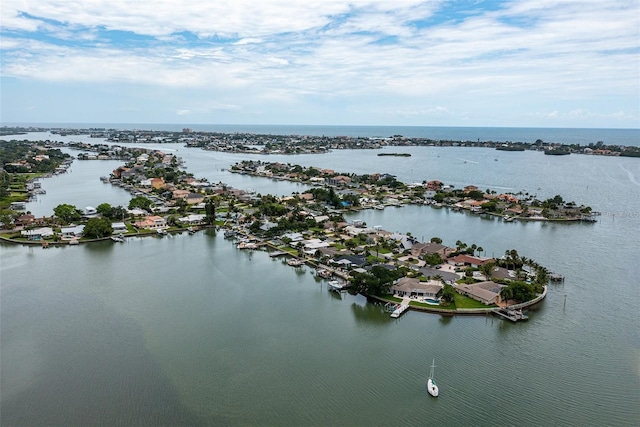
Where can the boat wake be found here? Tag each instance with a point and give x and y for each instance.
(468, 161)
(632, 178)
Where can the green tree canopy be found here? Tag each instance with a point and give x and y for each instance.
(210, 211)
(98, 227)
(140, 202)
(67, 213)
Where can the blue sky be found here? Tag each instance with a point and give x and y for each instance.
(533, 63)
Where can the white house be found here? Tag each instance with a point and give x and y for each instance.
(118, 227)
(71, 231)
(193, 219)
(38, 233)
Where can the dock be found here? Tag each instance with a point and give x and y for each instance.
(555, 277)
(276, 254)
(399, 311)
(337, 286)
(511, 314)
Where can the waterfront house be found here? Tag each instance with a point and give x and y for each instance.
(486, 292)
(468, 260)
(152, 222)
(412, 287)
(434, 185)
(193, 219)
(118, 227)
(37, 233)
(24, 220)
(71, 231)
(420, 249)
(18, 206)
(90, 211)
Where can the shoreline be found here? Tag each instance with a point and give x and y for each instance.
(468, 311)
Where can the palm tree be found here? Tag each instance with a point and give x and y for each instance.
(480, 250)
(506, 293)
(487, 270)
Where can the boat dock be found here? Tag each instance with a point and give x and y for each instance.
(399, 311)
(276, 254)
(511, 314)
(337, 286)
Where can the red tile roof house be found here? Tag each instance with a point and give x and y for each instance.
(467, 260)
(152, 222)
(339, 180)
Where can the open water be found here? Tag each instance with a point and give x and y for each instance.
(189, 330)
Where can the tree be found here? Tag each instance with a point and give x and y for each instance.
(436, 240)
(480, 250)
(506, 293)
(67, 213)
(97, 228)
(140, 202)
(487, 270)
(210, 211)
(118, 212)
(433, 258)
(376, 282)
(7, 221)
(447, 294)
(104, 209)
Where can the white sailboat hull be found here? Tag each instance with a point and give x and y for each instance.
(432, 388)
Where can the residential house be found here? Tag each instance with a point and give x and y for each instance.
(434, 185)
(118, 227)
(24, 220)
(486, 292)
(412, 287)
(194, 198)
(71, 231)
(502, 273)
(193, 219)
(152, 222)
(351, 260)
(420, 249)
(37, 233)
(468, 260)
(180, 194)
(339, 180)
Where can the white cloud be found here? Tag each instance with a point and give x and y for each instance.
(262, 56)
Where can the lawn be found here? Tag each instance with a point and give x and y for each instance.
(462, 301)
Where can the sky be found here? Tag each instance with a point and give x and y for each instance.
(525, 63)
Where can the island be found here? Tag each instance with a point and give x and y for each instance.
(250, 143)
(395, 154)
(309, 228)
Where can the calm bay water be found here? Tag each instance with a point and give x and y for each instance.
(188, 330)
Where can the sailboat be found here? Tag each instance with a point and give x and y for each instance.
(432, 388)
